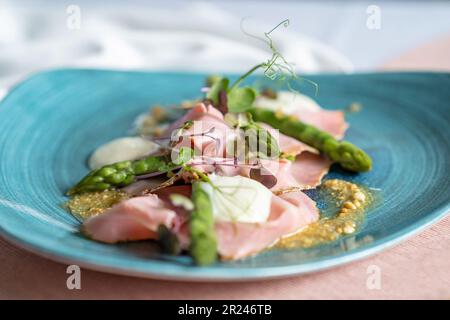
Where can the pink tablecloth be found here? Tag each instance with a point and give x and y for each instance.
(417, 268)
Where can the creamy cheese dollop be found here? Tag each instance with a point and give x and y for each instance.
(121, 149)
(287, 102)
(238, 199)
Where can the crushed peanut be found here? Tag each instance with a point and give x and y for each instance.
(352, 201)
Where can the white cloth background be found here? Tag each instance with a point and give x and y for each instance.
(195, 37)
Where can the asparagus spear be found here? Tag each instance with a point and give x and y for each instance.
(203, 246)
(265, 140)
(349, 156)
(119, 174)
(267, 145)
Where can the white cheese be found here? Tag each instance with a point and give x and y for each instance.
(238, 199)
(287, 102)
(121, 149)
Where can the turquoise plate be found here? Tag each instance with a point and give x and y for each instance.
(50, 123)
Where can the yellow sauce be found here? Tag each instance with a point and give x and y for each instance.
(351, 199)
(90, 204)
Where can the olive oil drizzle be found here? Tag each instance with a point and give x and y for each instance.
(90, 204)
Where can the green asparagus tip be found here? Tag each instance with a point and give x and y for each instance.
(116, 175)
(349, 156)
(203, 246)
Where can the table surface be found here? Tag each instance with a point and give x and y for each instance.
(416, 268)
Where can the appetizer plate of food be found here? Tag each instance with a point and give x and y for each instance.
(194, 177)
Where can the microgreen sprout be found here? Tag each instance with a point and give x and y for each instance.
(240, 99)
(277, 67)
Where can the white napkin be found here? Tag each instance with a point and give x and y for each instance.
(197, 36)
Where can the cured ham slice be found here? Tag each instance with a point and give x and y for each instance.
(305, 172)
(289, 214)
(308, 169)
(208, 132)
(287, 144)
(199, 112)
(207, 137)
(331, 121)
(133, 219)
(307, 110)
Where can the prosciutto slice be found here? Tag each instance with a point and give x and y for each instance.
(307, 110)
(208, 133)
(331, 121)
(306, 172)
(289, 214)
(288, 144)
(199, 112)
(133, 219)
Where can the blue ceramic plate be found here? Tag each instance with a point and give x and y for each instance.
(50, 123)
